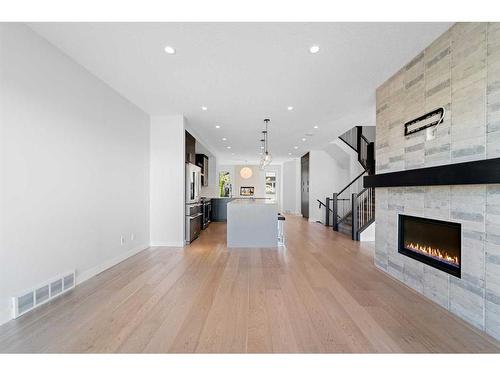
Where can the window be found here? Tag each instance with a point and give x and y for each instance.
(271, 183)
(224, 184)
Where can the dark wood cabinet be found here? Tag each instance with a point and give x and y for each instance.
(219, 209)
(304, 185)
(202, 162)
(190, 148)
(195, 226)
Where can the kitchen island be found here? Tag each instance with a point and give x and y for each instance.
(219, 208)
(252, 223)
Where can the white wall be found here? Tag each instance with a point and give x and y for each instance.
(167, 181)
(326, 175)
(291, 186)
(258, 181)
(74, 168)
(368, 235)
(348, 157)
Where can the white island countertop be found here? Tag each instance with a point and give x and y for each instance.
(252, 223)
(265, 201)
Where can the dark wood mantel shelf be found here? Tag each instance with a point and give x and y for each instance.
(473, 172)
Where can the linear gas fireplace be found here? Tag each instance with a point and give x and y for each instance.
(433, 242)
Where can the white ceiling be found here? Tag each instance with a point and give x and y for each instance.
(245, 72)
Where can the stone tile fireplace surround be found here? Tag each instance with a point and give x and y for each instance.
(461, 72)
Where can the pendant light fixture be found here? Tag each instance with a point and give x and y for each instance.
(262, 153)
(266, 155)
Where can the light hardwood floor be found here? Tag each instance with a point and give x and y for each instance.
(321, 293)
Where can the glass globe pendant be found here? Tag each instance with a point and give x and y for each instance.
(266, 157)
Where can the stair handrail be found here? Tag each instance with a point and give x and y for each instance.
(327, 211)
(322, 204)
(361, 192)
(349, 136)
(364, 138)
(342, 205)
(352, 182)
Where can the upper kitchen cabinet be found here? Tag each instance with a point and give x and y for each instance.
(190, 148)
(202, 162)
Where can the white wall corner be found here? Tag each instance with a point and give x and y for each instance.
(167, 179)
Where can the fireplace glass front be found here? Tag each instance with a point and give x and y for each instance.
(434, 242)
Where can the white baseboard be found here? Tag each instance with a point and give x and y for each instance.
(168, 244)
(85, 275)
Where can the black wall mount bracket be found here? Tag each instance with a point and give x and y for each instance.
(433, 118)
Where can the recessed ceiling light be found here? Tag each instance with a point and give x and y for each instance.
(229, 147)
(314, 49)
(289, 153)
(217, 126)
(290, 108)
(303, 139)
(224, 139)
(315, 126)
(204, 108)
(170, 50)
(261, 147)
(295, 147)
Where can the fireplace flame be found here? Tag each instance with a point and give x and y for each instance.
(433, 252)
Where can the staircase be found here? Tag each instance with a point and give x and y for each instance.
(352, 209)
(346, 225)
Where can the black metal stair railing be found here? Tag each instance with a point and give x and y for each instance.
(342, 205)
(328, 210)
(363, 211)
(355, 139)
(350, 137)
(352, 209)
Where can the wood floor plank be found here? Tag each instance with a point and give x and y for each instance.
(281, 330)
(352, 333)
(258, 323)
(320, 293)
(212, 338)
(189, 334)
(308, 340)
(155, 289)
(180, 302)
